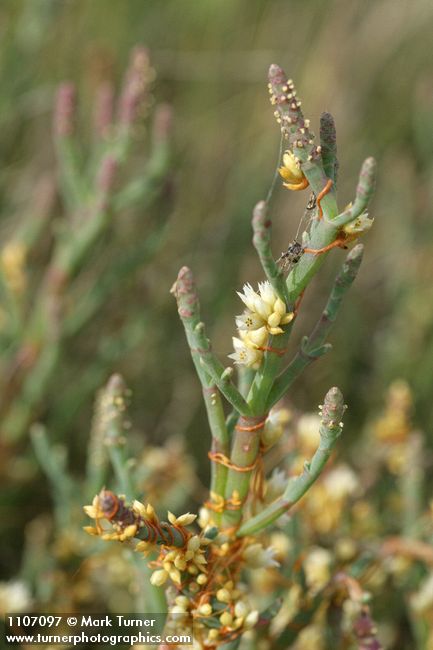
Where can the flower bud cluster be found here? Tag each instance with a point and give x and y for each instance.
(225, 614)
(175, 561)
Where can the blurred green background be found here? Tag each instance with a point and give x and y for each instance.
(368, 62)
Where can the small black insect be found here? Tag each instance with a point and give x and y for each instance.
(292, 255)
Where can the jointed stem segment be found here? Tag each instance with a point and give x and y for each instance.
(313, 347)
(262, 243)
(244, 453)
(330, 430)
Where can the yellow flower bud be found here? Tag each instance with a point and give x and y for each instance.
(139, 508)
(182, 601)
(279, 307)
(175, 576)
(274, 319)
(158, 578)
(90, 530)
(226, 619)
(192, 570)
(130, 531)
(180, 563)
(193, 543)
(223, 595)
(205, 610)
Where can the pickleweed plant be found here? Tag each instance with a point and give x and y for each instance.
(208, 570)
(99, 181)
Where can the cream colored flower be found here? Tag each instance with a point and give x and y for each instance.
(245, 354)
(189, 559)
(94, 511)
(258, 557)
(264, 309)
(274, 427)
(139, 508)
(183, 520)
(204, 518)
(158, 578)
(358, 226)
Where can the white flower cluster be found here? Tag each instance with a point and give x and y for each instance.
(264, 315)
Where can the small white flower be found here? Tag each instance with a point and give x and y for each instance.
(359, 226)
(248, 296)
(258, 557)
(183, 520)
(248, 321)
(245, 355)
(256, 338)
(267, 294)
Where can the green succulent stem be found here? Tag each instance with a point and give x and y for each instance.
(244, 452)
(53, 460)
(32, 391)
(262, 243)
(364, 192)
(72, 183)
(264, 379)
(208, 371)
(318, 166)
(313, 347)
(330, 430)
(411, 485)
(113, 422)
(91, 198)
(97, 457)
(328, 142)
